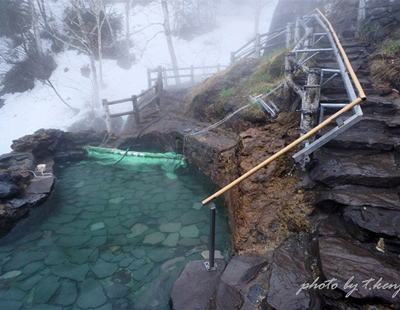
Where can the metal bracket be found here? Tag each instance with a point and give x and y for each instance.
(339, 121)
(304, 161)
(207, 265)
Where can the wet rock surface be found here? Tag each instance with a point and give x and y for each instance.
(358, 272)
(200, 282)
(290, 270)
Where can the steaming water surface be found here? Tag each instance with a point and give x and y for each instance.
(107, 239)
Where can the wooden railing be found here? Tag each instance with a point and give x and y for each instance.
(256, 46)
(190, 74)
(151, 95)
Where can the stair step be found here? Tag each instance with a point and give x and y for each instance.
(376, 104)
(353, 139)
(377, 170)
(353, 195)
(381, 124)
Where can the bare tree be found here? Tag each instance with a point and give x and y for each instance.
(168, 36)
(35, 25)
(258, 7)
(127, 26)
(87, 37)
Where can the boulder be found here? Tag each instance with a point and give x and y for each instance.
(290, 270)
(376, 171)
(227, 297)
(357, 272)
(242, 269)
(9, 186)
(195, 286)
(376, 220)
(350, 195)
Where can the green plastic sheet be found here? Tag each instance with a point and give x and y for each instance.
(142, 161)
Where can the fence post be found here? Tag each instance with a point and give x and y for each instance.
(257, 47)
(218, 68)
(310, 104)
(362, 14)
(233, 57)
(287, 91)
(192, 74)
(160, 79)
(107, 115)
(148, 78)
(289, 34)
(211, 265)
(158, 89)
(165, 77)
(297, 31)
(136, 110)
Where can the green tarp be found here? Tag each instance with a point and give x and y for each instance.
(136, 160)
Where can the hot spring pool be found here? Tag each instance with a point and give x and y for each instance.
(108, 239)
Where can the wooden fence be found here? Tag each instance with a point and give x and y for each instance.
(257, 46)
(190, 75)
(153, 95)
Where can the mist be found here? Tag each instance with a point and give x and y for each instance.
(23, 113)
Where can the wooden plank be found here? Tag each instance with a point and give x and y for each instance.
(122, 114)
(119, 101)
(146, 91)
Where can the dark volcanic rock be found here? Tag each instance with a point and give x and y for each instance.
(376, 220)
(289, 272)
(378, 171)
(227, 297)
(41, 185)
(195, 286)
(242, 269)
(358, 272)
(8, 185)
(8, 191)
(350, 195)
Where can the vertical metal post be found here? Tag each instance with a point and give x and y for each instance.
(211, 265)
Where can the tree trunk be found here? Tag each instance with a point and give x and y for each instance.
(128, 30)
(168, 36)
(95, 80)
(257, 14)
(35, 24)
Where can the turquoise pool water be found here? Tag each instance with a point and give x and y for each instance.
(107, 239)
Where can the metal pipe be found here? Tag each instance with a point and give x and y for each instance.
(346, 60)
(212, 235)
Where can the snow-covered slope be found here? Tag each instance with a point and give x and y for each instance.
(24, 113)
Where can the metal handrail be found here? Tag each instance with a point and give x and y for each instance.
(356, 82)
(329, 120)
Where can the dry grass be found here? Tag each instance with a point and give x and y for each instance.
(208, 83)
(385, 62)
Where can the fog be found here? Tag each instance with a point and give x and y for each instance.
(24, 113)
